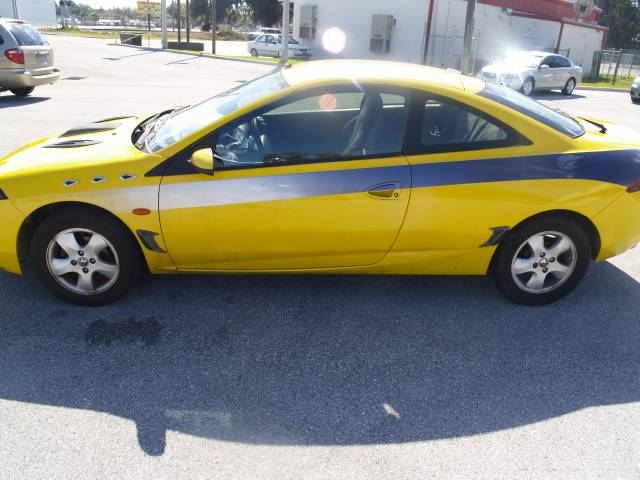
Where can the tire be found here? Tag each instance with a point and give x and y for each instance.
(23, 92)
(109, 249)
(525, 90)
(518, 267)
(569, 87)
(254, 52)
(635, 100)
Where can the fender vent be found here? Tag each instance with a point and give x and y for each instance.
(72, 144)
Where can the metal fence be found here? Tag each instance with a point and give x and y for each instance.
(613, 66)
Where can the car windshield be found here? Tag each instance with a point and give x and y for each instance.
(555, 119)
(292, 41)
(25, 34)
(182, 123)
(523, 60)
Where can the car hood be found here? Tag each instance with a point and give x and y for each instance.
(85, 150)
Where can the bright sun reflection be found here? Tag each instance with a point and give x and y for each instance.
(334, 40)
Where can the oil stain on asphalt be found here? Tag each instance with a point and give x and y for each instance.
(131, 332)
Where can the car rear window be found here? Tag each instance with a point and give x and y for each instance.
(559, 121)
(25, 34)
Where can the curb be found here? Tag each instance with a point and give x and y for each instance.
(604, 89)
(198, 54)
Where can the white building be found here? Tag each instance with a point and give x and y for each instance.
(41, 13)
(432, 31)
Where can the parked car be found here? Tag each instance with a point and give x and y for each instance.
(341, 167)
(263, 31)
(531, 71)
(271, 46)
(26, 60)
(635, 90)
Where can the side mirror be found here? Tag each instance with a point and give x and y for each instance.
(202, 161)
(544, 67)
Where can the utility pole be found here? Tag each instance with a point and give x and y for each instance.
(467, 58)
(214, 24)
(179, 23)
(284, 58)
(188, 26)
(163, 20)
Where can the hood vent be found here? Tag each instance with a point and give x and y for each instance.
(72, 144)
(111, 119)
(91, 128)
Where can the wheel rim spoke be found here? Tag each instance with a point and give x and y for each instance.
(61, 266)
(536, 281)
(95, 246)
(106, 269)
(68, 243)
(561, 246)
(537, 244)
(85, 283)
(522, 266)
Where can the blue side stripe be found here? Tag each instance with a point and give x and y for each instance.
(621, 167)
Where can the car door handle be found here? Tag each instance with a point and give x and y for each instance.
(389, 190)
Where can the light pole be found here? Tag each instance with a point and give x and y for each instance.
(214, 22)
(284, 58)
(467, 58)
(163, 20)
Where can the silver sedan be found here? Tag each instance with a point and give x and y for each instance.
(531, 71)
(635, 91)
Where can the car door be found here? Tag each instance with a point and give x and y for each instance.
(562, 71)
(270, 46)
(545, 77)
(260, 45)
(314, 181)
(453, 149)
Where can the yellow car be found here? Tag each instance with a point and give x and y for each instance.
(350, 167)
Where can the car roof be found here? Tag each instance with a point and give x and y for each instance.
(372, 70)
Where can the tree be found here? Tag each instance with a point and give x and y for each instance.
(266, 12)
(623, 19)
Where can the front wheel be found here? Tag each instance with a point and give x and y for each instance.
(542, 261)
(254, 52)
(569, 87)
(528, 86)
(84, 258)
(23, 92)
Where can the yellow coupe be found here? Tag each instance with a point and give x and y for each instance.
(350, 167)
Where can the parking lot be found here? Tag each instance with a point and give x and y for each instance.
(315, 377)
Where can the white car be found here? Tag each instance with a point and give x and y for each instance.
(271, 46)
(635, 91)
(263, 31)
(531, 71)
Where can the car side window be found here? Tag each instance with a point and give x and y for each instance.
(260, 39)
(270, 39)
(323, 126)
(449, 126)
(548, 61)
(562, 62)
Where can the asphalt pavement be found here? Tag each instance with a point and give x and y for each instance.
(319, 377)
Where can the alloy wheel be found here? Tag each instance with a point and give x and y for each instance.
(543, 262)
(83, 261)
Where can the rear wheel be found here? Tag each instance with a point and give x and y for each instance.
(542, 261)
(569, 87)
(23, 92)
(84, 258)
(528, 86)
